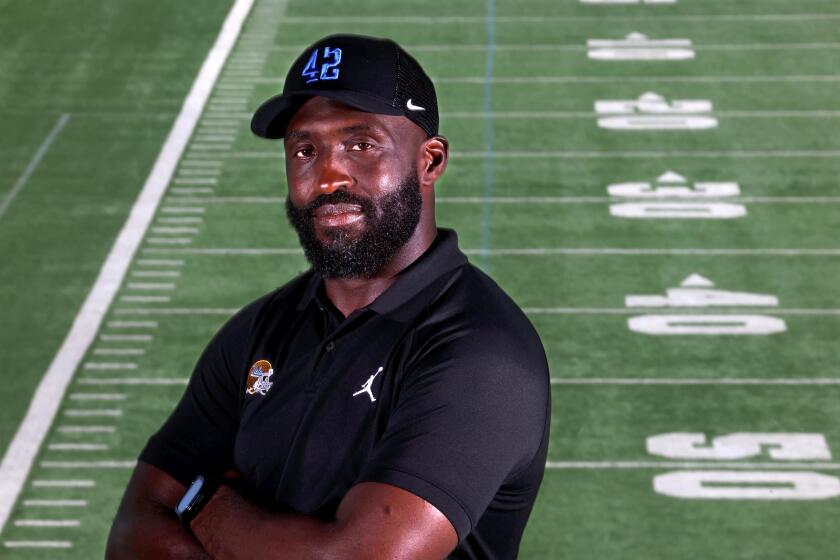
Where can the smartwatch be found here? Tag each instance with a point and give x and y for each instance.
(195, 498)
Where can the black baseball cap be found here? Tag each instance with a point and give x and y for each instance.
(368, 73)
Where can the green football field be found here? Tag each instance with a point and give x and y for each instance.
(654, 181)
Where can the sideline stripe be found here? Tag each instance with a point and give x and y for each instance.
(778, 465)
(694, 381)
(30, 168)
(20, 454)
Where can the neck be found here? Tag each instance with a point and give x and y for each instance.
(350, 294)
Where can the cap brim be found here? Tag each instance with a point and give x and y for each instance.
(273, 116)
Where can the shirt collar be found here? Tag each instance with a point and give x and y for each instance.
(441, 257)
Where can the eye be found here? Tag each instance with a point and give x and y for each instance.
(361, 146)
(304, 152)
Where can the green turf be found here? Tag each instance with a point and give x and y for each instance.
(120, 71)
(105, 69)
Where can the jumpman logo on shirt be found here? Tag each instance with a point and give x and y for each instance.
(366, 388)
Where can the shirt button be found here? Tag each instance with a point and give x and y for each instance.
(330, 346)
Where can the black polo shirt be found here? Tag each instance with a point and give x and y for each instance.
(440, 387)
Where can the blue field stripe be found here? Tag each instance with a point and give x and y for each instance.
(488, 134)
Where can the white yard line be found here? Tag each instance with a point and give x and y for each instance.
(530, 80)
(825, 312)
(133, 381)
(650, 154)
(532, 251)
(119, 351)
(132, 324)
(88, 464)
(225, 251)
(64, 483)
(197, 181)
(182, 210)
(77, 447)
(38, 544)
(29, 170)
(41, 523)
(98, 396)
(156, 274)
(20, 454)
(447, 48)
(184, 220)
(177, 311)
(559, 115)
(145, 299)
(151, 286)
(775, 465)
(110, 365)
(200, 163)
(178, 230)
(125, 337)
(55, 503)
(595, 154)
(531, 200)
(86, 429)
(160, 262)
(553, 20)
(93, 413)
(750, 381)
(169, 240)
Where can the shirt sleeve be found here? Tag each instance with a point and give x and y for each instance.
(472, 411)
(198, 437)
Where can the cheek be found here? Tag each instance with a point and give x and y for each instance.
(377, 178)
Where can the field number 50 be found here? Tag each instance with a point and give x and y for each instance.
(744, 484)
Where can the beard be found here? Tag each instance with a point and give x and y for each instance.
(390, 221)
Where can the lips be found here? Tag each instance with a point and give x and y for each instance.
(339, 214)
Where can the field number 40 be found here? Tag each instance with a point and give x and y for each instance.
(744, 484)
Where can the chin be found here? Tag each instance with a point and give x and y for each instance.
(339, 237)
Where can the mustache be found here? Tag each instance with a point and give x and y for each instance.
(338, 197)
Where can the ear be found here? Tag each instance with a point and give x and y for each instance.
(435, 156)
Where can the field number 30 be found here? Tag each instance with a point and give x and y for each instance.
(743, 483)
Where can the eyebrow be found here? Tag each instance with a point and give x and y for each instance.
(299, 134)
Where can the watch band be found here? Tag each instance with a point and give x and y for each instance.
(199, 494)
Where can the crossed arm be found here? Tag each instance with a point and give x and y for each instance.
(373, 521)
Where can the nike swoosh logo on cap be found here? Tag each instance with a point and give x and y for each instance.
(414, 107)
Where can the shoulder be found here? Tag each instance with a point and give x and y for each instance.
(480, 337)
(474, 313)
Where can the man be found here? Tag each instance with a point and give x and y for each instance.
(392, 402)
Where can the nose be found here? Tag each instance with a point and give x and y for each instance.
(333, 176)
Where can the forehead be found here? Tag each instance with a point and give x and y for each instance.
(320, 115)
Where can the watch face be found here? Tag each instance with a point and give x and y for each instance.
(189, 495)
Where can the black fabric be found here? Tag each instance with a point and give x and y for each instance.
(460, 416)
(372, 74)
